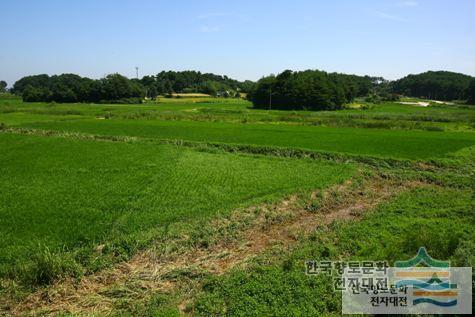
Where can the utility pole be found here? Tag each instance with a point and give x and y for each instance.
(137, 71)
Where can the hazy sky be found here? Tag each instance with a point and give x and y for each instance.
(243, 39)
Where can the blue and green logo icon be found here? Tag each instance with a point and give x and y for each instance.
(428, 278)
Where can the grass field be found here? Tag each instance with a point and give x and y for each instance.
(385, 115)
(374, 142)
(79, 194)
(126, 224)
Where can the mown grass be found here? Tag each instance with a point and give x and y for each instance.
(440, 219)
(373, 142)
(62, 198)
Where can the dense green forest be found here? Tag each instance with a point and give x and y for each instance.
(318, 90)
(115, 88)
(167, 82)
(310, 89)
(440, 85)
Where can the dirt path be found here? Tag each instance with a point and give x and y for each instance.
(419, 103)
(148, 272)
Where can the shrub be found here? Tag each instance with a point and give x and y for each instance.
(47, 267)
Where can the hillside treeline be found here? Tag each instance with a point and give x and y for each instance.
(168, 82)
(66, 88)
(116, 88)
(439, 85)
(310, 89)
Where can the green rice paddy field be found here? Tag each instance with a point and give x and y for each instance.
(62, 193)
(75, 206)
(409, 144)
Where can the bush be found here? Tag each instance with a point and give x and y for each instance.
(47, 267)
(373, 98)
(464, 255)
(123, 101)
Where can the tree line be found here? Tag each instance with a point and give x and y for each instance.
(318, 90)
(69, 88)
(310, 89)
(168, 82)
(438, 85)
(115, 88)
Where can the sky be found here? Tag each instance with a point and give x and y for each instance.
(241, 39)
